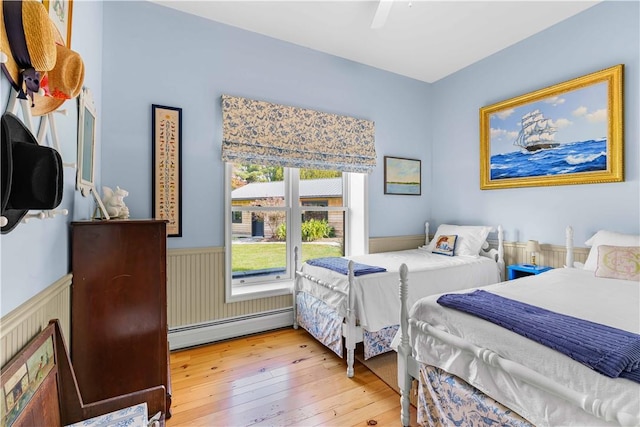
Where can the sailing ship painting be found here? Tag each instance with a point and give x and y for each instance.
(537, 132)
(565, 134)
(558, 135)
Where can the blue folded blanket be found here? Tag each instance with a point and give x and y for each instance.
(341, 265)
(609, 351)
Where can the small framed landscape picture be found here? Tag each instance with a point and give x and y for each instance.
(402, 176)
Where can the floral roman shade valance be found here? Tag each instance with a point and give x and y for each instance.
(278, 135)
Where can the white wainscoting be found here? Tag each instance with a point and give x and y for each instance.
(551, 255)
(195, 290)
(397, 243)
(25, 322)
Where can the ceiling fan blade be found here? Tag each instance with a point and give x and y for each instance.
(384, 6)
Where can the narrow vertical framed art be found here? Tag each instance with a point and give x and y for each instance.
(166, 142)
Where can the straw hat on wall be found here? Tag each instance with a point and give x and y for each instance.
(27, 38)
(63, 82)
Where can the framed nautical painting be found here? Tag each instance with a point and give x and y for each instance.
(569, 133)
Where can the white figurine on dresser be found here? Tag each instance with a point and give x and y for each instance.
(114, 202)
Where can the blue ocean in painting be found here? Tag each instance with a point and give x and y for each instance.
(573, 157)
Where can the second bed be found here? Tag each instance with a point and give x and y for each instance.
(365, 308)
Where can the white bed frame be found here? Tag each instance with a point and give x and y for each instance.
(408, 367)
(351, 331)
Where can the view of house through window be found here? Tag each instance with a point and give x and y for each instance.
(263, 212)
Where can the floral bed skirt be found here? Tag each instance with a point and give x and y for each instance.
(446, 400)
(325, 324)
(321, 321)
(378, 342)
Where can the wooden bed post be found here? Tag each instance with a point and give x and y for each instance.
(569, 243)
(295, 287)
(350, 337)
(404, 349)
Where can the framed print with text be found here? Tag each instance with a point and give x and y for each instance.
(167, 174)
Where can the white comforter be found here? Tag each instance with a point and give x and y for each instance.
(377, 298)
(572, 292)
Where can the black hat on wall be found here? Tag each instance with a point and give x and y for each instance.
(31, 174)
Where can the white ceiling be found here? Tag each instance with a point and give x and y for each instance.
(423, 39)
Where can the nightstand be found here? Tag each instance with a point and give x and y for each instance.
(521, 270)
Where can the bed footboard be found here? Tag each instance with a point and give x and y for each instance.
(351, 332)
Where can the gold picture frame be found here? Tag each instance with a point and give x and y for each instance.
(518, 143)
(167, 166)
(61, 13)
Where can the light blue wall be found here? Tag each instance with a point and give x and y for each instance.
(156, 55)
(36, 254)
(602, 36)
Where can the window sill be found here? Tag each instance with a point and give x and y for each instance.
(262, 290)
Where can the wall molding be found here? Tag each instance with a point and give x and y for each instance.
(229, 328)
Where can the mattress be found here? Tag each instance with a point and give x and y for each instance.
(573, 292)
(377, 300)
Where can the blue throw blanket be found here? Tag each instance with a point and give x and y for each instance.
(341, 265)
(609, 351)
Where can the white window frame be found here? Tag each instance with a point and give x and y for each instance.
(355, 232)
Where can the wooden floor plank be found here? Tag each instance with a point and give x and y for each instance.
(279, 378)
(198, 369)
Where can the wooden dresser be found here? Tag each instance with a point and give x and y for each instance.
(119, 307)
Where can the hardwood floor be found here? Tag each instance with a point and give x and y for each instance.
(279, 378)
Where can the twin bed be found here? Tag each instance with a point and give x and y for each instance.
(473, 372)
(332, 305)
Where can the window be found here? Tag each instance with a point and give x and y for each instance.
(271, 211)
(309, 215)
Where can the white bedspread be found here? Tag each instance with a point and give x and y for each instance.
(572, 292)
(377, 298)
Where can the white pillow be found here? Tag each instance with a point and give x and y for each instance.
(609, 238)
(470, 238)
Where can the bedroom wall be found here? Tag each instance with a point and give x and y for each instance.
(602, 36)
(156, 55)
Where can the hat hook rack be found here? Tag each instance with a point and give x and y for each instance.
(12, 107)
(44, 214)
(27, 118)
(48, 123)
